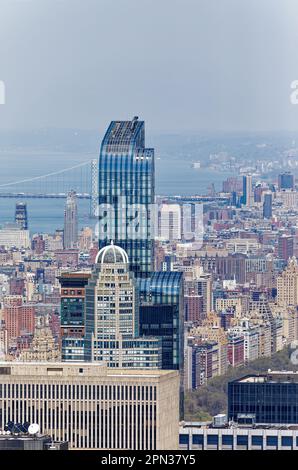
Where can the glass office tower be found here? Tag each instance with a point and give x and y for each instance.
(286, 181)
(267, 206)
(21, 215)
(126, 193)
(247, 198)
(162, 314)
(270, 398)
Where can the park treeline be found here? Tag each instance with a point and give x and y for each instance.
(211, 399)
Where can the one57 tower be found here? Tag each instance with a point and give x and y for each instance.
(126, 194)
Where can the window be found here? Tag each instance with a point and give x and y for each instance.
(257, 440)
(242, 440)
(286, 441)
(271, 441)
(198, 439)
(212, 439)
(183, 439)
(227, 440)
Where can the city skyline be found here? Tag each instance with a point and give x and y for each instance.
(199, 309)
(149, 268)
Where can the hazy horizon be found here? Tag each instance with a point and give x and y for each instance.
(184, 66)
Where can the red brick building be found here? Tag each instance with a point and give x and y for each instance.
(236, 350)
(19, 320)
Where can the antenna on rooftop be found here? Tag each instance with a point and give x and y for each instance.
(134, 122)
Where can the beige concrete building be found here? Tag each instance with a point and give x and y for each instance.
(92, 406)
(243, 245)
(212, 331)
(289, 199)
(86, 239)
(11, 236)
(287, 285)
(201, 283)
(289, 317)
(231, 302)
(43, 348)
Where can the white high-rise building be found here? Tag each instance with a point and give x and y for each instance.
(71, 222)
(12, 236)
(170, 226)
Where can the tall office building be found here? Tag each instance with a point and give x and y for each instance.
(201, 285)
(70, 239)
(232, 184)
(73, 315)
(194, 305)
(247, 191)
(285, 247)
(287, 285)
(18, 319)
(169, 222)
(162, 316)
(91, 406)
(126, 193)
(21, 215)
(258, 191)
(112, 315)
(267, 206)
(286, 181)
(201, 363)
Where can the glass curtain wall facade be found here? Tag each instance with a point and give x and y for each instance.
(165, 288)
(164, 291)
(269, 401)
(73, 315)
(21, 215)
(126, 193)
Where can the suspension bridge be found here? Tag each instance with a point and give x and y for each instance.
(82, 178)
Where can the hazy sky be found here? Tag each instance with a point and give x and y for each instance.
(179, 64)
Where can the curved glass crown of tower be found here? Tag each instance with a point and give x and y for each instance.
(126, 194)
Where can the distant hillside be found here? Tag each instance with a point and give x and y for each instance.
(211, 399)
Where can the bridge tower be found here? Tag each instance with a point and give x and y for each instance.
(94, 188)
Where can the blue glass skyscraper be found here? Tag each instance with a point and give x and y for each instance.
(126, 193)
(286, 181)
(162, 314)
(267, 206)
